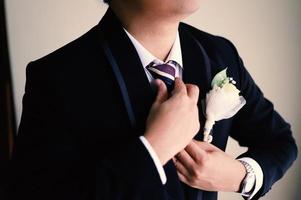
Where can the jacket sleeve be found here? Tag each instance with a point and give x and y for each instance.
(260, 128)
(44, 167)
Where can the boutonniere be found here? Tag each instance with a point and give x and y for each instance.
(222, 102)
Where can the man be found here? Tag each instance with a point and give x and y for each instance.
(113, 114)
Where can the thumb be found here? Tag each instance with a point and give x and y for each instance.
(162, 93)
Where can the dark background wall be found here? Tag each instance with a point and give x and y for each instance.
(7, 116)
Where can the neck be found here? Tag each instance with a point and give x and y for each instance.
(155, 34)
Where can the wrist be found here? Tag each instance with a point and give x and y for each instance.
(158, 147)
(241, 172)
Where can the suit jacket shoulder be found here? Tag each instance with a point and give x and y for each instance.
(84, 47)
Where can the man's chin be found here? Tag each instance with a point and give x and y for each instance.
(188, 10)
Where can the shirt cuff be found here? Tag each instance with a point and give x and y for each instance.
(258, 174)
(155, 159)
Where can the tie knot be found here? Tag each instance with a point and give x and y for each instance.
(165, 72)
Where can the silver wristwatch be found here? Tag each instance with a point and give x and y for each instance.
(247, 185)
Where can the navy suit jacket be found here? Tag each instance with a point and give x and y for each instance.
(75, 139)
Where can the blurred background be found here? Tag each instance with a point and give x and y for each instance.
(266, 33)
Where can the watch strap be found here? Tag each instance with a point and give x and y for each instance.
(250, 176)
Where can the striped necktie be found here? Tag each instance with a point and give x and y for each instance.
(166, 72)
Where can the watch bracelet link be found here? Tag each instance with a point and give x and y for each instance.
(249, 172)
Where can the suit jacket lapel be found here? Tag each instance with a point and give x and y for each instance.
(197, 69)
(140, 93)
(200, 69)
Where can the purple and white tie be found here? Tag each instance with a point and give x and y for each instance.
(166, 72)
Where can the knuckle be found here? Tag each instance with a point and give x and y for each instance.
(181, 96)
(184, 97)
(195, 171)
(204, 159)
(195, 88)
(196, 176)
(201, 160)
(179, 155)
(194, 154)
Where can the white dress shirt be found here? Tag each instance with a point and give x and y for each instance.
(175, 54)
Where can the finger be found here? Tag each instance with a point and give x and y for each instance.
(179, 87)
(206, 146)
(193, 92)
(183, 178)
(195, 151)
(162, 94)
(185, 159)
(181, 168)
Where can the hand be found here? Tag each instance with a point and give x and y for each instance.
(173, 122)
(204, 166)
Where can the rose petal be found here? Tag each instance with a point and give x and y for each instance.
(223, 104)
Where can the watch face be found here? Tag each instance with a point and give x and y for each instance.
(249, 183)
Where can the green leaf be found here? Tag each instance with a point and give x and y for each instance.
(219, 78)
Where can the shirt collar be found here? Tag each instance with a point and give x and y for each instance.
(147, 57)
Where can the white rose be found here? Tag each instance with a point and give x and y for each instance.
(221, 103)
(229, 87)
